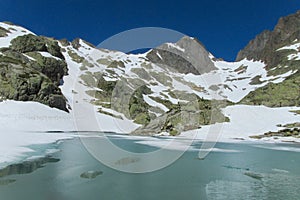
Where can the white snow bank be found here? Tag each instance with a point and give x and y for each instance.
(247, 121)
(25, 123)
(33, 116)
(15, 145)
(294, 56)
(292, 47)
(171, 45)
(28, 123)
(48, 55)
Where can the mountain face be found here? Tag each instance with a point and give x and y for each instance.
(264, 46)
(172, 88)
(279, 49)
(187, 55)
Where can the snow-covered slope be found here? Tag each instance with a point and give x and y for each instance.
(234, 80)
(231, 81)
(11, 31)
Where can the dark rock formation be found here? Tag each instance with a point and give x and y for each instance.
(31, 43)
(264, 46)
(35, 79)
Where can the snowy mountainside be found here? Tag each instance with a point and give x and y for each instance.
(157, 87)
(174, 83)
(279, 50)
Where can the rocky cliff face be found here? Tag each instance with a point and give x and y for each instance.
(264, 46)
(188, 55)
(32, 68)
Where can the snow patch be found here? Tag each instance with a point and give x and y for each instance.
(171, 45)
(159, 55)
(153, 103)
(257, 121)
(290, 47)
(48, 55)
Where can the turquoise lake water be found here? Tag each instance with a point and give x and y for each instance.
(255, 171)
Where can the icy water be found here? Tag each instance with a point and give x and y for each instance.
(251, 171)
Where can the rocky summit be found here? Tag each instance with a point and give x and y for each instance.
(188, 55)
(172, 88)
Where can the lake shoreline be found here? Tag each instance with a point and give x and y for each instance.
(157, 141)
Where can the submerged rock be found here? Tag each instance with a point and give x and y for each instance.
(127, 160)
(6, 181)
(254, 175)
(26, 167)
(90, 174)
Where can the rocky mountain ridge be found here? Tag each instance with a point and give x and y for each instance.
(279, 49)
(264, 46)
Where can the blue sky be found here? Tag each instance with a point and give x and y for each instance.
(223, 26)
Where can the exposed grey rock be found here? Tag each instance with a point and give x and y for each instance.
(64, 42)
(187, 56)
(76, 43)
(183, 117)
(57, 101)
(155, 126)
(3, 32)
(255, 46)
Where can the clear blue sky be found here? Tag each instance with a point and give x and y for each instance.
(224, 26)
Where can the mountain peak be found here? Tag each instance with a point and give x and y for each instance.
(185, 44)
(77, 42)
(188, 41)
(288, 23)
(265, 44)
(188, 55)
